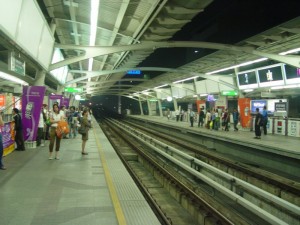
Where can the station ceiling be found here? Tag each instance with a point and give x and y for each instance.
(155, 26)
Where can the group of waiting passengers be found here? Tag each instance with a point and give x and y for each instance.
(212, 119)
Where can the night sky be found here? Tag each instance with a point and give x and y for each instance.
(223, 21)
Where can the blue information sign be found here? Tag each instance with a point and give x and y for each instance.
(134, 72)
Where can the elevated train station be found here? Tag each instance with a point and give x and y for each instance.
(148, 62)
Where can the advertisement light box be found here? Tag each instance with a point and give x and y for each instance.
(247, 80)
(270, 76)
(292, 74)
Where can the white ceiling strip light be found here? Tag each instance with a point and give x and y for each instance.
(6, 76)
(93, 27)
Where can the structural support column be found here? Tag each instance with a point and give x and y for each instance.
(149, 107)
(141, 107)
(175, 104)
(119, 105)
(60, 89)
(160, 108)
(40, 78)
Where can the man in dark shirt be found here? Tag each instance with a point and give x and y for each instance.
(258, 123)
(18, 129)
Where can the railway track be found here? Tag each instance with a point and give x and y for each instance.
(209, 195)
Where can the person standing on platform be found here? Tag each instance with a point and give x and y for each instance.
(177, 115)
(2, 167)
(265, 119)
(192, 117)
(226, 119)
(40, 140)
(208, 119)
(18, 129)
(236, 117)
(55, 117)
(201, 117)
(258, 123)
(86, 125)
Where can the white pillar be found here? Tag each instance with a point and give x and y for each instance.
(160, 108)
(40, 78)
(141, 107)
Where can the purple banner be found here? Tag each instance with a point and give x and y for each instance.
(53, 99)
(8, 134)
(66, 102)
(32, 100)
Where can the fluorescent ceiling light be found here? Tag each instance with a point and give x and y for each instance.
(161, 86)
(285, 87)
(190, 78)
(93, 27)
(202, 95)
(290, 51)
(236, 66)
(9, 77)
(248, 90)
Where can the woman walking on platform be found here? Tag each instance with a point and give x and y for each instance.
(85, 124)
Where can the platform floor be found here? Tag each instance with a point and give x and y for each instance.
(76, 190)
(279, 144)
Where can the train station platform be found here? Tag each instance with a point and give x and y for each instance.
(75, 190)
(278, 144)
(278, 154)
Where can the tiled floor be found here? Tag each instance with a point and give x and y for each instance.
(73, 190)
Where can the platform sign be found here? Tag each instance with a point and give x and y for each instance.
(281, 106)
(16, 64)
(134, 72)
(73, 89)
(229, 93)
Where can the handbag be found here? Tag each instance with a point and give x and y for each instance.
(82, 130)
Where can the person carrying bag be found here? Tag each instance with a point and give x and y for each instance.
(84, 130)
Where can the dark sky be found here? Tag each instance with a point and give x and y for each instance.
(226, 22)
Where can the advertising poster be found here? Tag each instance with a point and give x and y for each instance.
(199, 104)
(258, 104)
(53, 99)
(32, 101)
(245, 112)
(66, 102)
(8, 137)
(2, 102)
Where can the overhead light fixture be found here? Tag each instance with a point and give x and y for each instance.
(248, 90)
(77, 97)
(202, 95)
(290, 51)
(9, 77)
(236, 66)
(169, 98)
(93, 27)
(285, 87)
(179, 81)
(164, 85)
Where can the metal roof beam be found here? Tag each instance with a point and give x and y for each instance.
(94, 51)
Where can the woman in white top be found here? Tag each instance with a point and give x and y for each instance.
(55, 117)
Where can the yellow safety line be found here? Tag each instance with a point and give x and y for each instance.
(111, 187)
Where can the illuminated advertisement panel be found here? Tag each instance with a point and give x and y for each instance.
(270, 76)
(292, 74)
(247, 80)
(258, 104)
